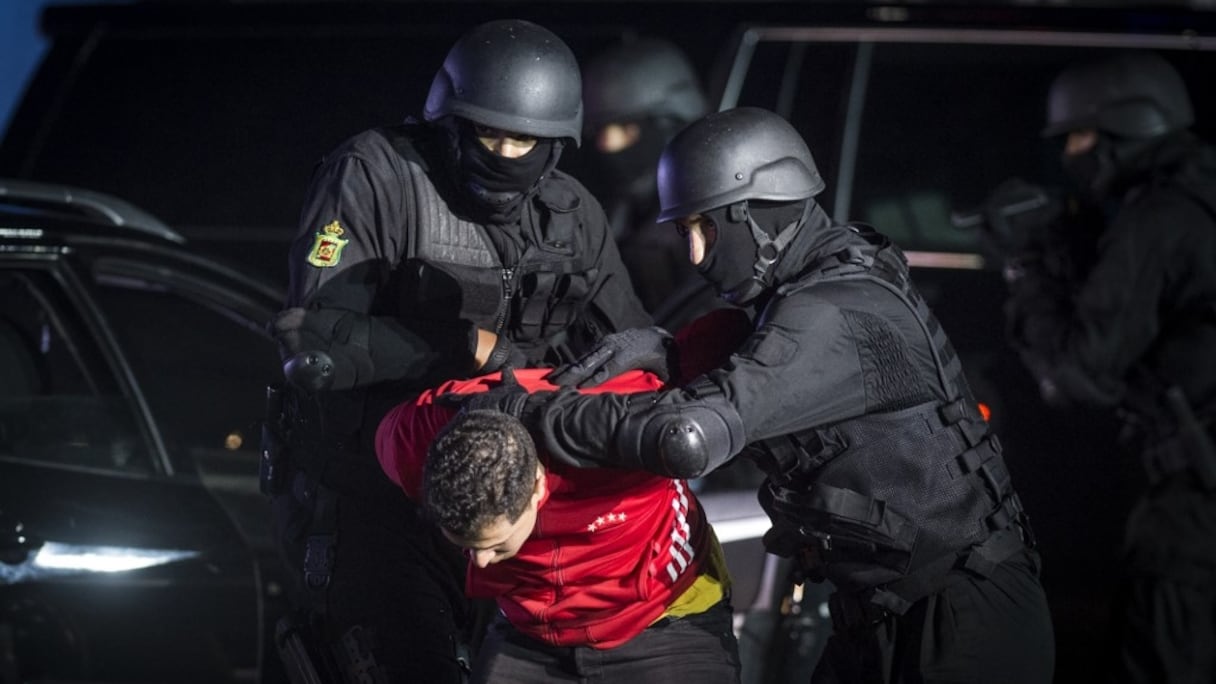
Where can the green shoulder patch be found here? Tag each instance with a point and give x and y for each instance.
(327, 248)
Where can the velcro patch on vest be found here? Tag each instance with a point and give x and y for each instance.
(327, 247)
(771, 347)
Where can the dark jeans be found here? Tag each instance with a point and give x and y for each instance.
(995, 630)
(698, 649)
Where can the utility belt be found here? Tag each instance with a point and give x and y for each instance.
(868, 607)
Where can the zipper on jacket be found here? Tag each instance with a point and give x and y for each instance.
(508, 290)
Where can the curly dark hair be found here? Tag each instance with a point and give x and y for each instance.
(481, 466)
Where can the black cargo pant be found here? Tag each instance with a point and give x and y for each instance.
(1167, 607)
(394, 609)
(995, 630)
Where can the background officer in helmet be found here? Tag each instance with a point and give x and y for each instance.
(1124, 317)
(637, 94)
(881, 474)
(428, 251)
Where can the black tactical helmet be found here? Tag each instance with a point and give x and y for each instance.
(645, 78)
(1131, 95)
(512, 75)
(739, 154)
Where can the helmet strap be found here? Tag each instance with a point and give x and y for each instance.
(768, 249)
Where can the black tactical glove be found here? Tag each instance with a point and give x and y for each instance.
(508, 396)
(648, 349)
(323, 349)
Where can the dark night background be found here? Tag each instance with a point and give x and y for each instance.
(21, 45)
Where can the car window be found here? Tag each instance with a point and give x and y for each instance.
(942, 125)
(59, 403)
(203, 370)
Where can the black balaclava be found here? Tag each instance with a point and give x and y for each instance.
(1094, 170)
(500, 183)
(1105, 170)
(629, 173)
(750, 238)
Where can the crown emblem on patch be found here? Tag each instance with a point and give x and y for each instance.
(327, 246)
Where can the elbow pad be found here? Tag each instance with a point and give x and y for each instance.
(683, 440)
(311, 371)
(325, 349)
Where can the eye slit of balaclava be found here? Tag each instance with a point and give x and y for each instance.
(489, 174)
(621, 171)
(1092, 171)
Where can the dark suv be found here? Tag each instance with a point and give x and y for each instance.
(134, 544)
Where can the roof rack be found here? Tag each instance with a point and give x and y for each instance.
(110, 209)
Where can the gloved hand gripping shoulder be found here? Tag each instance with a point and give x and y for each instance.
(649, 349)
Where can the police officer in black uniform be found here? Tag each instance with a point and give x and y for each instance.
(1124, 317)
(882, 476)
(429, 250)
(638, 93)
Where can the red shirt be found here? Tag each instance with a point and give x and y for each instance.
(611, 548)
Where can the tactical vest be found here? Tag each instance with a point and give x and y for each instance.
(451, 270)
(892, 500)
